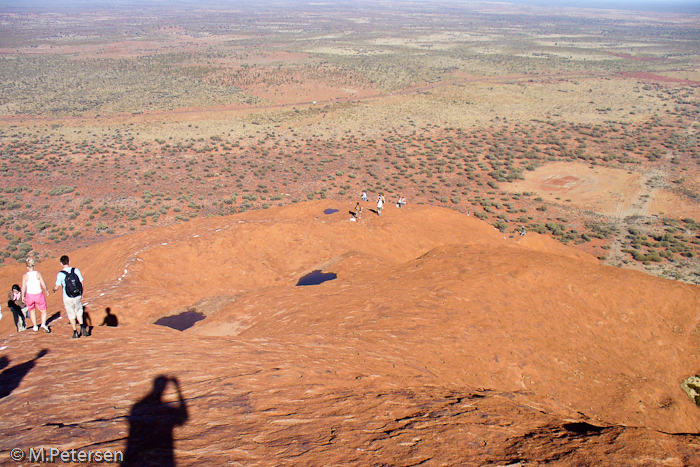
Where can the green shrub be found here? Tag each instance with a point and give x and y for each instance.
(60, 190)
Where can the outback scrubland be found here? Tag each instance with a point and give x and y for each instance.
(582, 124)
(130, 132)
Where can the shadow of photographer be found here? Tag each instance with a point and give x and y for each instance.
(151, 424)
(13, 376)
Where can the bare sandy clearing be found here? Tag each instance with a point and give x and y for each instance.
(598, 189)
(606, 191)
(571, 55)
(440, 41)
(666, 203)
(349, 50)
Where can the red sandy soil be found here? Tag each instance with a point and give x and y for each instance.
(603, 190)
(657, 78)
(441, 341)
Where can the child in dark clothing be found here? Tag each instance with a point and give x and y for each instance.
(19, 309)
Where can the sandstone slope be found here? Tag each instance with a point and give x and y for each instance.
(441, 341)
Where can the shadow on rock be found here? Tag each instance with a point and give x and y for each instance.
(11, 377)
(110, 319)
(87, 320)
(53, 318)
(151, 425)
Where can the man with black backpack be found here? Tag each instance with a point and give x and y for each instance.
(72, 282)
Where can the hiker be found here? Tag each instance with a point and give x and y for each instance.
(18, 307)
(72, 282)
(32, 286)
(358, 210)
(400, 202)
(380, 204)
(364, 196)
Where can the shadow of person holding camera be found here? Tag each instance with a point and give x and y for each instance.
(13, 376)
(151, 425)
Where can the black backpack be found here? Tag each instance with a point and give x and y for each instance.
(73, 286)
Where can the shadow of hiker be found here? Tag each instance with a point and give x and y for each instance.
(374, 211)
(110, 319)
(87, 320)
(53, 318)
(11, 377)
(151, 424)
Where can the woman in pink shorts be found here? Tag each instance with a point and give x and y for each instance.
(32, 286)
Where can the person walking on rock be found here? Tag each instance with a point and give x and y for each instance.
(72, 282)
(357, 211)
(32, 286)
(380, 204)
(18, 307)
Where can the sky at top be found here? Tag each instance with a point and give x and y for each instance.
(644, 5)
(660, 5)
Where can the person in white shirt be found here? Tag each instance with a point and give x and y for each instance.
(32, 286)
(380, 204)
(72, 282)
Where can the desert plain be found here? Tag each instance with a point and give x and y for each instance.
(198, 161)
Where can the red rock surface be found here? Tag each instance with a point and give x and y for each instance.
(441, 342)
